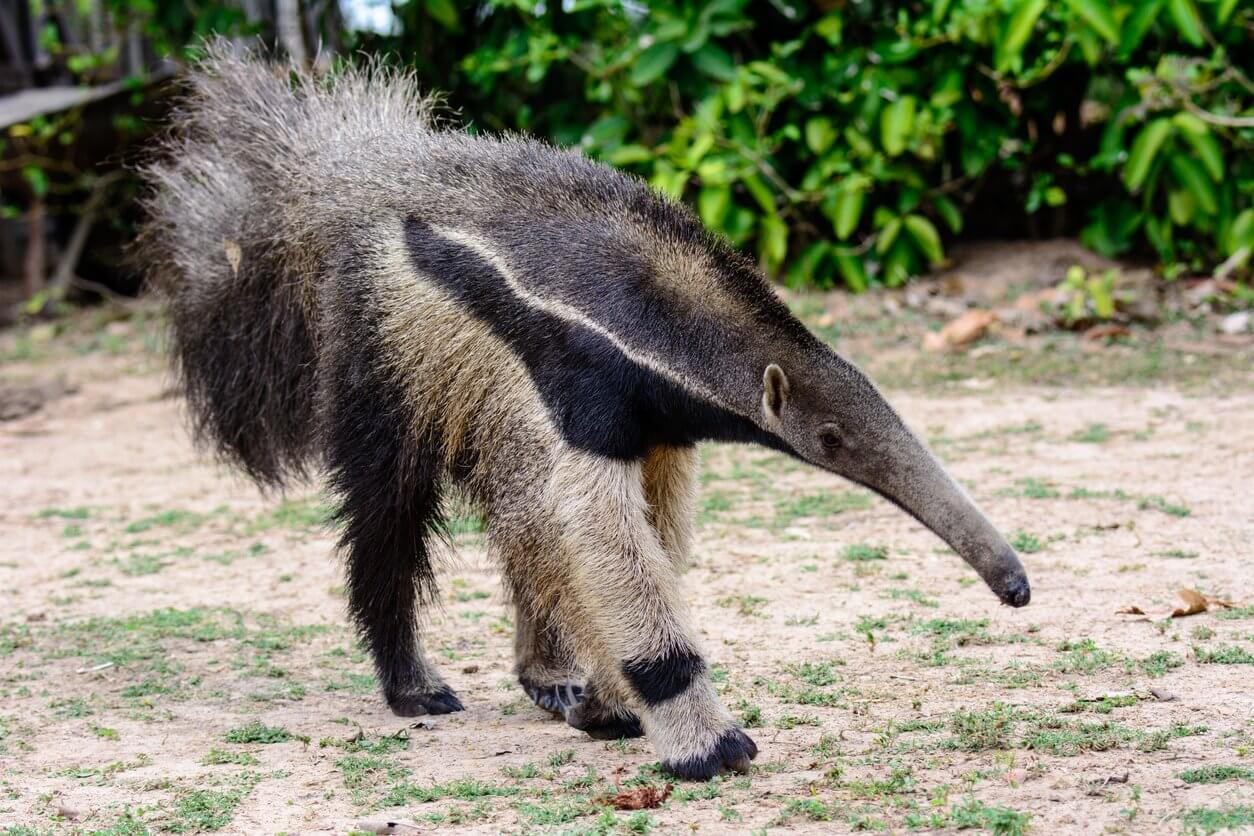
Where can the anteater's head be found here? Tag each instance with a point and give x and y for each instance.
(832, 416)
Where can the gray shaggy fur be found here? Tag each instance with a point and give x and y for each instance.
(355, 288)
(268, 173)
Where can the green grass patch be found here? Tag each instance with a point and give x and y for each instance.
(259, 732)
(1026, 543)
(1215, 819)
(1158, 503)
(293, 515)
(746, 605)
(975, 731)
(1092, 434)
(217, 757)
(818, 674)
(1217, 774)
(819, 506)
(1225, 655)
(1160, 662)
(183, 520)
(861, 552)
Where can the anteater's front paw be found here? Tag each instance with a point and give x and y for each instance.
(416, 703)
(732, 752)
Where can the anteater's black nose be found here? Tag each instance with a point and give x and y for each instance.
(1017, 593)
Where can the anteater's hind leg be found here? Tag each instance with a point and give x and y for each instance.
(548, 674)
(388, 480)
(545, 666)
(670, 489)
(387, 557)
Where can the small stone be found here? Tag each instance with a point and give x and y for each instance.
(1236, 323)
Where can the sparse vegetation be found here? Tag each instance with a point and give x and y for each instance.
(886, 689)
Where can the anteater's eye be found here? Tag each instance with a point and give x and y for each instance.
(829, 438)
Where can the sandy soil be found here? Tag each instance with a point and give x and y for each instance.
(173, 652)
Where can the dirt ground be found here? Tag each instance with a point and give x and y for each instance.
(174, 654)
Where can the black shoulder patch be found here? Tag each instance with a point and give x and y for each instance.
(600, 400)
(663, 678)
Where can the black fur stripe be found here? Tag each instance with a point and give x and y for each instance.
(665, 677)
(600, 400)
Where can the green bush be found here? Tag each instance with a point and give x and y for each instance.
(849, 141)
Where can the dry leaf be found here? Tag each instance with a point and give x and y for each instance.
(640, 798)
(966, 328)
(1033, 300)
(234, 255)
(1194, 603)
(1132, 610)
(1106, 332)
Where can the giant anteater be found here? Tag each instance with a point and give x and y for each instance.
(355, 287)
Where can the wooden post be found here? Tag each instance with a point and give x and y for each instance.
(33, 268)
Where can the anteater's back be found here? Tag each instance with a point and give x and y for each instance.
(271, 176)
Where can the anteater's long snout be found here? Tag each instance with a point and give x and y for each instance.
(916, 482)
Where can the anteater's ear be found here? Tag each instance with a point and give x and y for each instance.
(774, 392)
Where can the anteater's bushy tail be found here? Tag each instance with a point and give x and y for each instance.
(243, 215)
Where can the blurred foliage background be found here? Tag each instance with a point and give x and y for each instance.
(843, 143)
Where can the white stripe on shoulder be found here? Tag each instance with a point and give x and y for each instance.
(571, 314)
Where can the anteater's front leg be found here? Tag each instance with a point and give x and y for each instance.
(635, 633)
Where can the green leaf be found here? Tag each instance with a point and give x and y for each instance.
(1224, 11)
(773, 240)
(897, 124)
(888, 235)
(1144, 148)
(1240, 233)
(853, 271)
(738, 225)
(1018, 30)
(949, 213)
(1158, 231)
(629, 155)
(1137, 25)
(444, 12)
(1181, 206)
(652, 63)
(1190, 174)
(760, 192)
(714, 61)
(820, 134)
(712, 204)
(829, 28)
(940, 8)
(850, 198)
(1188, 21)
(36, 178)
(1096, 13)
(801, 271)
(899, 264)
(1198, 134)
(926, 237)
